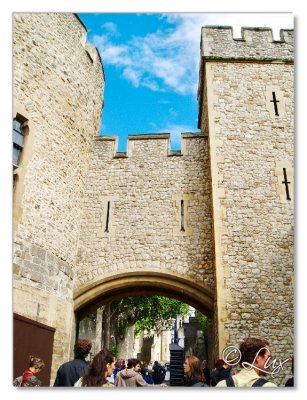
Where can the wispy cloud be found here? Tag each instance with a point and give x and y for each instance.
(111, 28)
(176, 131)
(164, 60)
(168, 60)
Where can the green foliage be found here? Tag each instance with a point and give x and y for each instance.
(113, 349)
(142, 324)
(145, 312)
(203, 322)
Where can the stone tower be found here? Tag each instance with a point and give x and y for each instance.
(246, 104)
(58, 94)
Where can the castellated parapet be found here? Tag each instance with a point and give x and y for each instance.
(58, 93)
(147, 210)
(217, 42)
(148, 145)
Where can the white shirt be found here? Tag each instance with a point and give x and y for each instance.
(245, 378)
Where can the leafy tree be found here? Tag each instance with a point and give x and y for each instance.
(145, 312)
(203, 322)
(114, 349)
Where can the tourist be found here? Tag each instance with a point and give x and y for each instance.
(145, 374)
(158, 373)
(117, 368)
(70, 372)
(100, 368)
(255, 352)
(206, 372)
(35, 366)
(221, 371)
(193, 373)
(131, 377)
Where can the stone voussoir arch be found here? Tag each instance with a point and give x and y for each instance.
(102, 290)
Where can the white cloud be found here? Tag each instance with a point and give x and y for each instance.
(169, 60)
(132, 76)
(110, 27)
(176, 131)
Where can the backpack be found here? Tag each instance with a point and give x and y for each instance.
(159, 374)
(259, 382)
(17, 381)
(219, 374)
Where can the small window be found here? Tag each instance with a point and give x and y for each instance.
(182, 229)
(18, 141)
(107, 218)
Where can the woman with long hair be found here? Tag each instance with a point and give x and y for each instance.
(101, 367)
(193, 372)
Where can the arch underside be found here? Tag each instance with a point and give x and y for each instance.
(139, 283)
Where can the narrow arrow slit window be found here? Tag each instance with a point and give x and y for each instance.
(107, 218)
(286, 183)
(182, 216)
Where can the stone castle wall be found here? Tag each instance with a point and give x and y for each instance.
(82, 211)
(58, 86)
(144, 189)
(249, 148)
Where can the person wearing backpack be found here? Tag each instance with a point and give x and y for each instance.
(256, 352)
(221, 371)
(35, 366)
(158, 373)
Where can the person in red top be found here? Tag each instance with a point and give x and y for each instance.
(35, 366)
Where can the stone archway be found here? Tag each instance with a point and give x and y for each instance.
(144, 282)
(90, 296)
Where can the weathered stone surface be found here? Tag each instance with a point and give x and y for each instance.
(144, 220)
(58, 89)
(249, 147)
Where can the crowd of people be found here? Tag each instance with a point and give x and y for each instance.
(104, 371)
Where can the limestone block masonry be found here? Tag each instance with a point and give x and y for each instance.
(246, 101)
(212, 223)
(135, 205)
(58, 89)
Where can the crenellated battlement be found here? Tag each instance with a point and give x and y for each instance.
(218, 43)
(141, 144)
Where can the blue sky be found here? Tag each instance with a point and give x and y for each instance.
(151, 64)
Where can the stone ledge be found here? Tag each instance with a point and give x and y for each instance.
(150, 136)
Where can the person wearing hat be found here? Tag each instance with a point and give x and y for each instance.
(70, 372)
